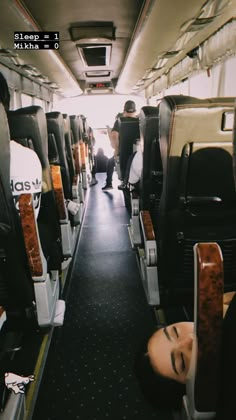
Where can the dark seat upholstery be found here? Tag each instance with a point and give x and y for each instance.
(151, 180)
(128, 136)
(198, 201)
(16, 288)
(28, 127)
(76, 128)
(77, 137)
(55, 126)
(68, 144)
(85, 127)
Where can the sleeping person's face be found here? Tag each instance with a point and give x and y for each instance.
(169, 350)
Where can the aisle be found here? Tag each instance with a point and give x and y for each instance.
(89, 371)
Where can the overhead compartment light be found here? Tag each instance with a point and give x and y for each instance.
(194, 25)
(209, 12)
(149, 73)
(31, 70)
(154, 69)
(152, 72)
(43, 79)
(140, 83)
(4, 52)
(11, 55)
(54, 86)
(169, 54)
(163, 59)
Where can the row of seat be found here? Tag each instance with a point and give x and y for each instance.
(34, 252)
(186, 236)
(36, 248)
(187, 188)
(212, 370)
(187, 199)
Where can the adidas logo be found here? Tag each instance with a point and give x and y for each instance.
(25, 186)
(36, 184)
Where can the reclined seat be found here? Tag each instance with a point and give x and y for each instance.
(28, 127)
(79, 150)
(198, 201)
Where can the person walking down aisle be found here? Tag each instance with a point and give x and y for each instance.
(130, 112)
(93, 159)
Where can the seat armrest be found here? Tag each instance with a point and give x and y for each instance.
(30, 234)
(149, 237)
(147, 226)
(3, 316)
(58, 188)
(83, 155)
(77, 158)
(75, 186)
(203, 376)
(134, 194)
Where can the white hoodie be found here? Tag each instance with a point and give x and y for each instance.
(25, 173)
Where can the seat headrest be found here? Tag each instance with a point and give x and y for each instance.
(5, 151)
(55, 124)
(66, 120)
(76, 128)
(30, 123)
(149, 122)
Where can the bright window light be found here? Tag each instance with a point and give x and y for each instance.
(100, 110)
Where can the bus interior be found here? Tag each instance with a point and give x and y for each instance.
(87, 275)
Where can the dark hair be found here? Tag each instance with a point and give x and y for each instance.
(160, 391)
(4, 92)
(130, 106)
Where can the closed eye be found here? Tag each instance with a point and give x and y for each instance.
(183, 365)
(175, 331)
